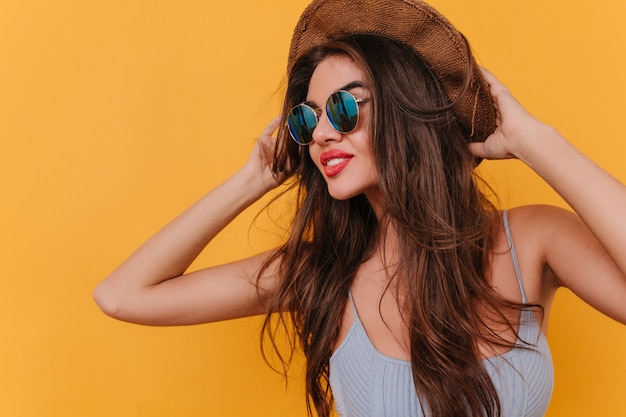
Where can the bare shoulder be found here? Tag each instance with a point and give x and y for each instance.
(528, 227)
(539, 227)
(548, 233)
(553, 234)
(541, 216)
(570, 256)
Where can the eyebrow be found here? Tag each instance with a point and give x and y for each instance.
(350, 86)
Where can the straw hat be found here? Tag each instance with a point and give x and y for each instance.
(418, 25)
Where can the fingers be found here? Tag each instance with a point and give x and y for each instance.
(502, 96)
(266, 145)
(495, 85)
(493, 148)
(504, 101)
(271, 126)
(488, 75)
(477, 149)
(491, 79)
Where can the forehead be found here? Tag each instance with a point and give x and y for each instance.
(332, 74)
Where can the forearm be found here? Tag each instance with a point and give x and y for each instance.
(170, 251)
(597, 197)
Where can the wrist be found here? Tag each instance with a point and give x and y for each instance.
(256, 184)
(536, 143)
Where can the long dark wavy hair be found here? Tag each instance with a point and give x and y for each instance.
(444, 224)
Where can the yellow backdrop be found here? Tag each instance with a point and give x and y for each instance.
(116, 115)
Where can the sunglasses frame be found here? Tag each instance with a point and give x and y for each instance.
(318, 114)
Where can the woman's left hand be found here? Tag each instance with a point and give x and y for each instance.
(587, 255)
(515, 125)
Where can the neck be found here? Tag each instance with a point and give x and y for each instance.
(377, 201)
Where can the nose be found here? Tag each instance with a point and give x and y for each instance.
(324, 133)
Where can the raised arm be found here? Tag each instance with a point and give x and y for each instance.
(590, 260)
(150, 288)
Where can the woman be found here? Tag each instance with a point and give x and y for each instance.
(408, 292)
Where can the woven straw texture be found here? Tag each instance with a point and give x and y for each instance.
(418, 25)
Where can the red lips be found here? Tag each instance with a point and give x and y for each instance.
(334, 161)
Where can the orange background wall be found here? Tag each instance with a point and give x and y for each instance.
(116, 115)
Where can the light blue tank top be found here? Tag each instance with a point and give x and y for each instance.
(367, 383)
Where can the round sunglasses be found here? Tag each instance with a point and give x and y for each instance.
(342, 110)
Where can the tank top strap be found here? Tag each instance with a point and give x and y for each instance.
(355, 313)
(509, 239)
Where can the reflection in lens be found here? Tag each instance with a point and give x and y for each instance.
(343, 111)
(302, 121)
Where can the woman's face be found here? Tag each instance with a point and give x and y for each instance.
(344, 159)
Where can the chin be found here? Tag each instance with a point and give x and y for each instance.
(343, 191)
(342, 194)
(346, 193)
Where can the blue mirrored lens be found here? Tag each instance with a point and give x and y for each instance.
(302, 120)
(343, 111)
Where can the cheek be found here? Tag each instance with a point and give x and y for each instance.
(314, 157)
(314, 153)
(365, 119)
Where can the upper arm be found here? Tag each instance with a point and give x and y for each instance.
(216, 293)
(578, 261)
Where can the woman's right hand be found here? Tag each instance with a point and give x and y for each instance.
(261, 159)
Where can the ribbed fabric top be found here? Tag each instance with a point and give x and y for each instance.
(367, 383)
